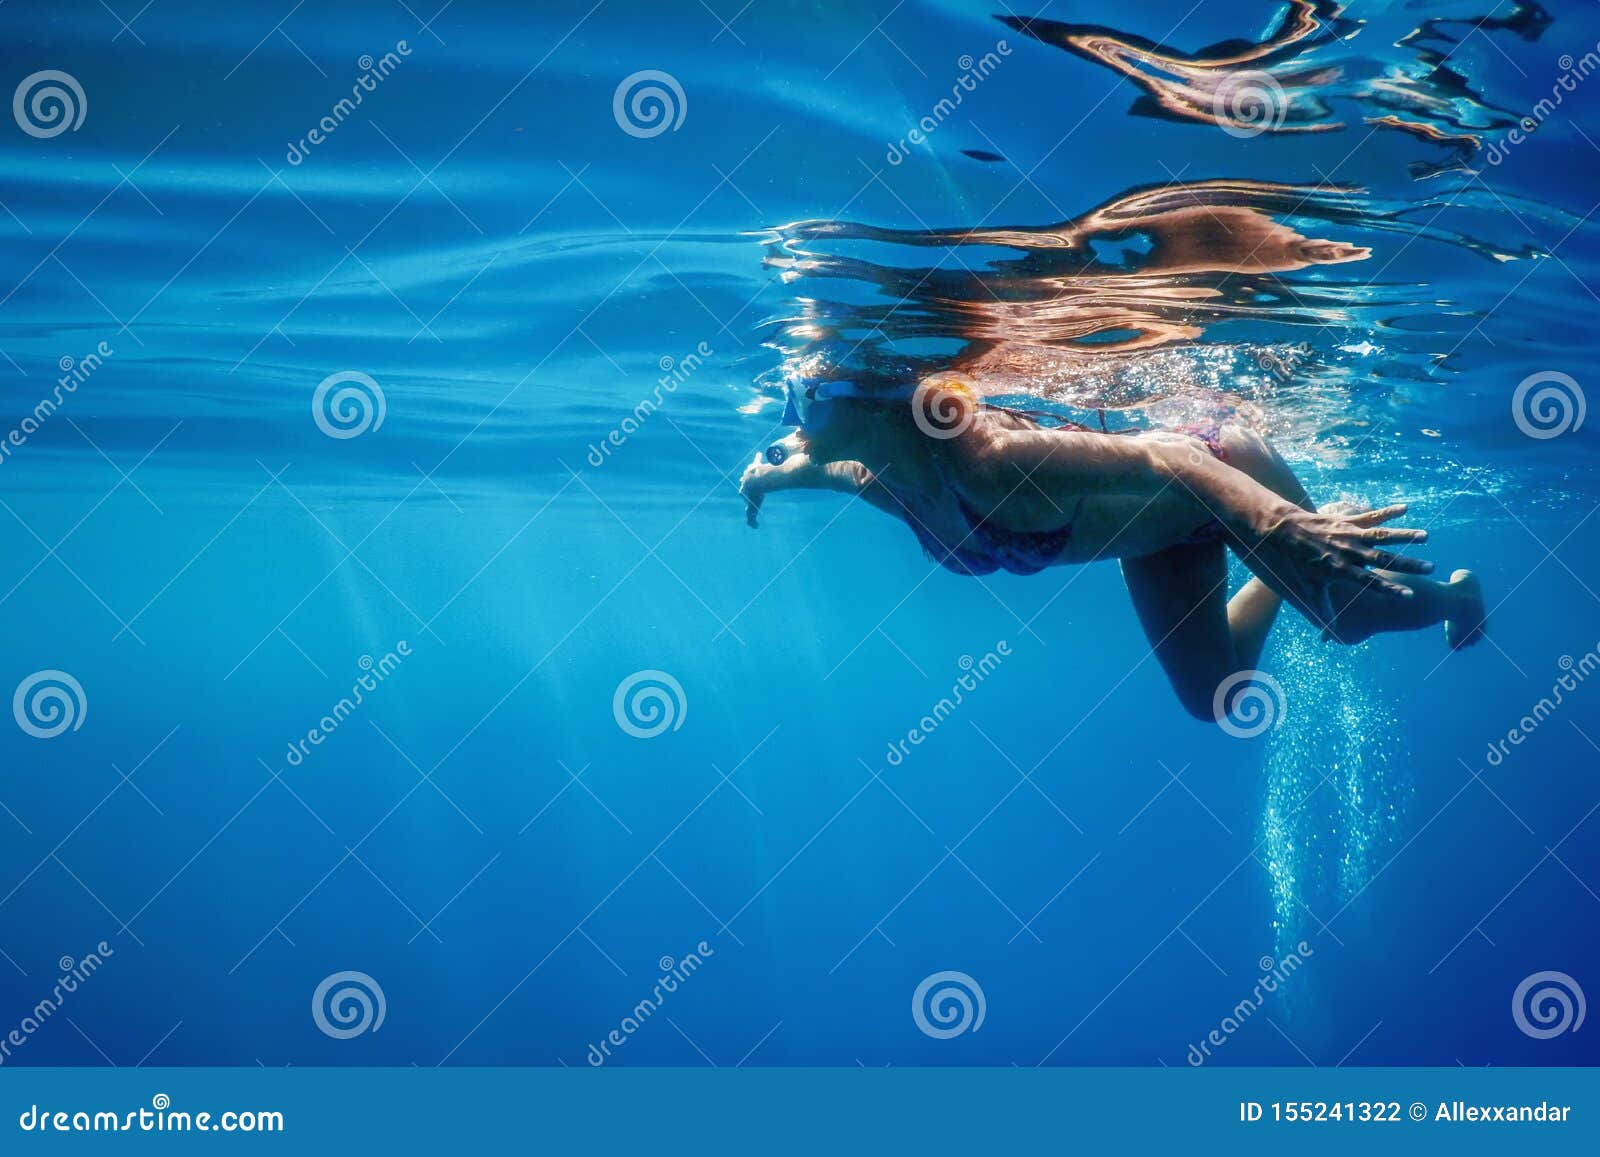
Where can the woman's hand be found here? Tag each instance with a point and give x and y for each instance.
(761, 477)
(1301, 554)
(797, 469)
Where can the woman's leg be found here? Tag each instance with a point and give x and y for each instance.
(1252, 611)
(1360, 612)
(1201, 637)
(1181, 597)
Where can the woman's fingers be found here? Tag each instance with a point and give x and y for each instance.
(1392, 534)
(1372, 528)
(1388, 560)
(1375, 517)
(750, 488)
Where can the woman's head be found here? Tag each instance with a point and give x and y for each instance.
(874, 430)
(845, 429)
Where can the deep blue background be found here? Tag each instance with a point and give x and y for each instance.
(514, 307)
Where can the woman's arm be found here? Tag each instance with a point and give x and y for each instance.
(1296, 552)
(799, 471)
(1011, 465)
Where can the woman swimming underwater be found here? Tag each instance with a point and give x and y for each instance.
(986, 488)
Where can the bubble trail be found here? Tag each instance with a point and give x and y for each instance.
(1332, 791)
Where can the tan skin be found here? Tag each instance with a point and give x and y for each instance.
(1140, 500)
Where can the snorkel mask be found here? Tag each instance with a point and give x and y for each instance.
(807, 393)
(810, 406)
(808, 397)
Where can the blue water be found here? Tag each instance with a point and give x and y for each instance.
(480, 837)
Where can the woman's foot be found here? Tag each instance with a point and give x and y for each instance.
(1465, 626)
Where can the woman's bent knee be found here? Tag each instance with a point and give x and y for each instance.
(1198, 697)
